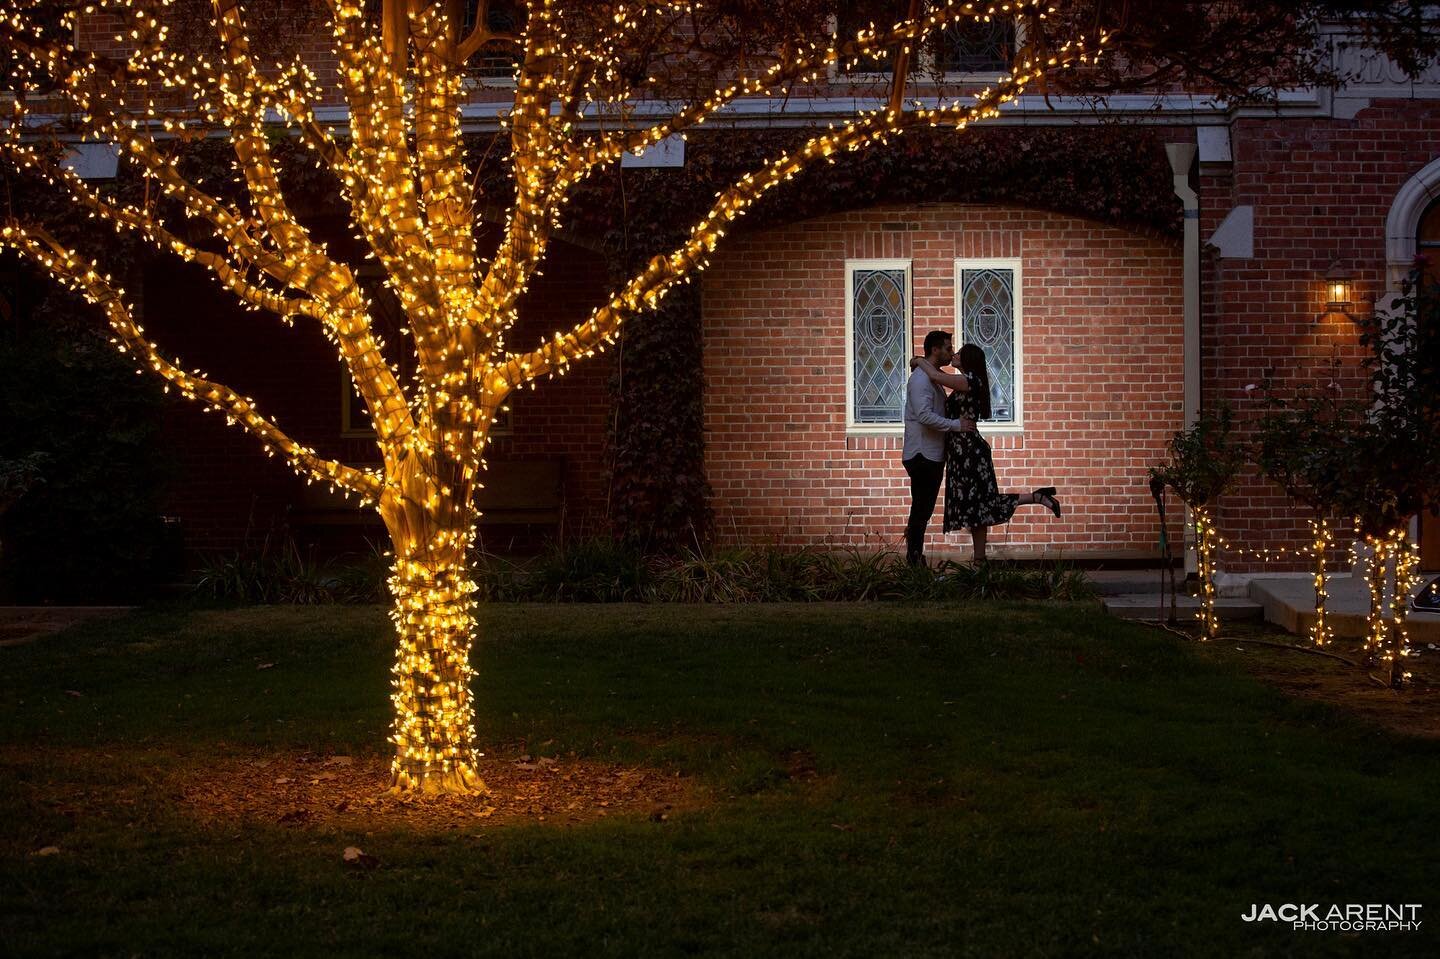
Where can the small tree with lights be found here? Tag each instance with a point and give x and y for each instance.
(1389, 462)
(1375, 460)
(1204, 461)
(1300, 445)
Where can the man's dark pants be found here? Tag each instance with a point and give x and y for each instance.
(925, 479)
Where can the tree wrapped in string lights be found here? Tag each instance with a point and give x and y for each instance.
(1205, 460)
(400, 164)
(593, 81)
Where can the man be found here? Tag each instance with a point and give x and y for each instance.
(924, 451)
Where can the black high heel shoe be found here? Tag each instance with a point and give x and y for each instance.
(1044, 493)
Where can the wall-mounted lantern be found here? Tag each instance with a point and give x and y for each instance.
(1339, 290)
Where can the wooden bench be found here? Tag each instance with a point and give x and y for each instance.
(525, 493)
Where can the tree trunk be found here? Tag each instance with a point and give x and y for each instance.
(434, 615)
(1403, 560)
(1319, 542)
(1377, 633)
(1205, 543)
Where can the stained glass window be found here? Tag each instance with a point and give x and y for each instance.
(497, 61)
(852, 16)
(966, 45)
(974, 46)
(987, 319)
(880, 351)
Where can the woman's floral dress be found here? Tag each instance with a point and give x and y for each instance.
(972, 497)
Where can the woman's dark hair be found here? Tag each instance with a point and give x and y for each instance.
(972, 361)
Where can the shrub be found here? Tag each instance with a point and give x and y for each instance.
(606, 571)
(80, 433)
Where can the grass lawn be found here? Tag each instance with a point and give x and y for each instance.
(869, 780)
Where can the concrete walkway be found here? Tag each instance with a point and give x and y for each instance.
(1290, 604)
(1287, 602)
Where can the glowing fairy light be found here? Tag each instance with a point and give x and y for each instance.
(1391, 564)
(1206, 541)
(1322, 540)
(401, 167)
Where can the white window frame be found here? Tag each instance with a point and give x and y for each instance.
(924, 63)
(873, 429)
(1018, 290)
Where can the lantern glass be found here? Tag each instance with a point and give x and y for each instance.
(1339, 289)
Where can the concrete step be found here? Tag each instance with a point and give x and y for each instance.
(1146, 607)
(1290, 604)
(1121, 582)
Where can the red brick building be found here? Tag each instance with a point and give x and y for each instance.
(1110, 336)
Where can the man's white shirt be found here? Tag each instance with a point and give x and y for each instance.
(925, 422)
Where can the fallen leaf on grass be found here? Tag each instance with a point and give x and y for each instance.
(357, 857)
(48, 851)
(264, 666)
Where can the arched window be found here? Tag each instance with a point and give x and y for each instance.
(1427, 244)
(1427, 240)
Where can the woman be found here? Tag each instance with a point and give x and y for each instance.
(973, 499)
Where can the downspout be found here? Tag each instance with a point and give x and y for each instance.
(1182, 157)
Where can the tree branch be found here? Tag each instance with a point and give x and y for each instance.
(440, 161)
(244, 114)
(388, 210)
(647, 289)
(480, 35)
(41, 248)
(536, 165)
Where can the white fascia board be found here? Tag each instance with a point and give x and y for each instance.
(1166, 109)
(1028, 110)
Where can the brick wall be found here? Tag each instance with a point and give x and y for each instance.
(1321, 189)
(1102, 341)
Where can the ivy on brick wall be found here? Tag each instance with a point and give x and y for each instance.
(1113, 173)
(659, 497)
